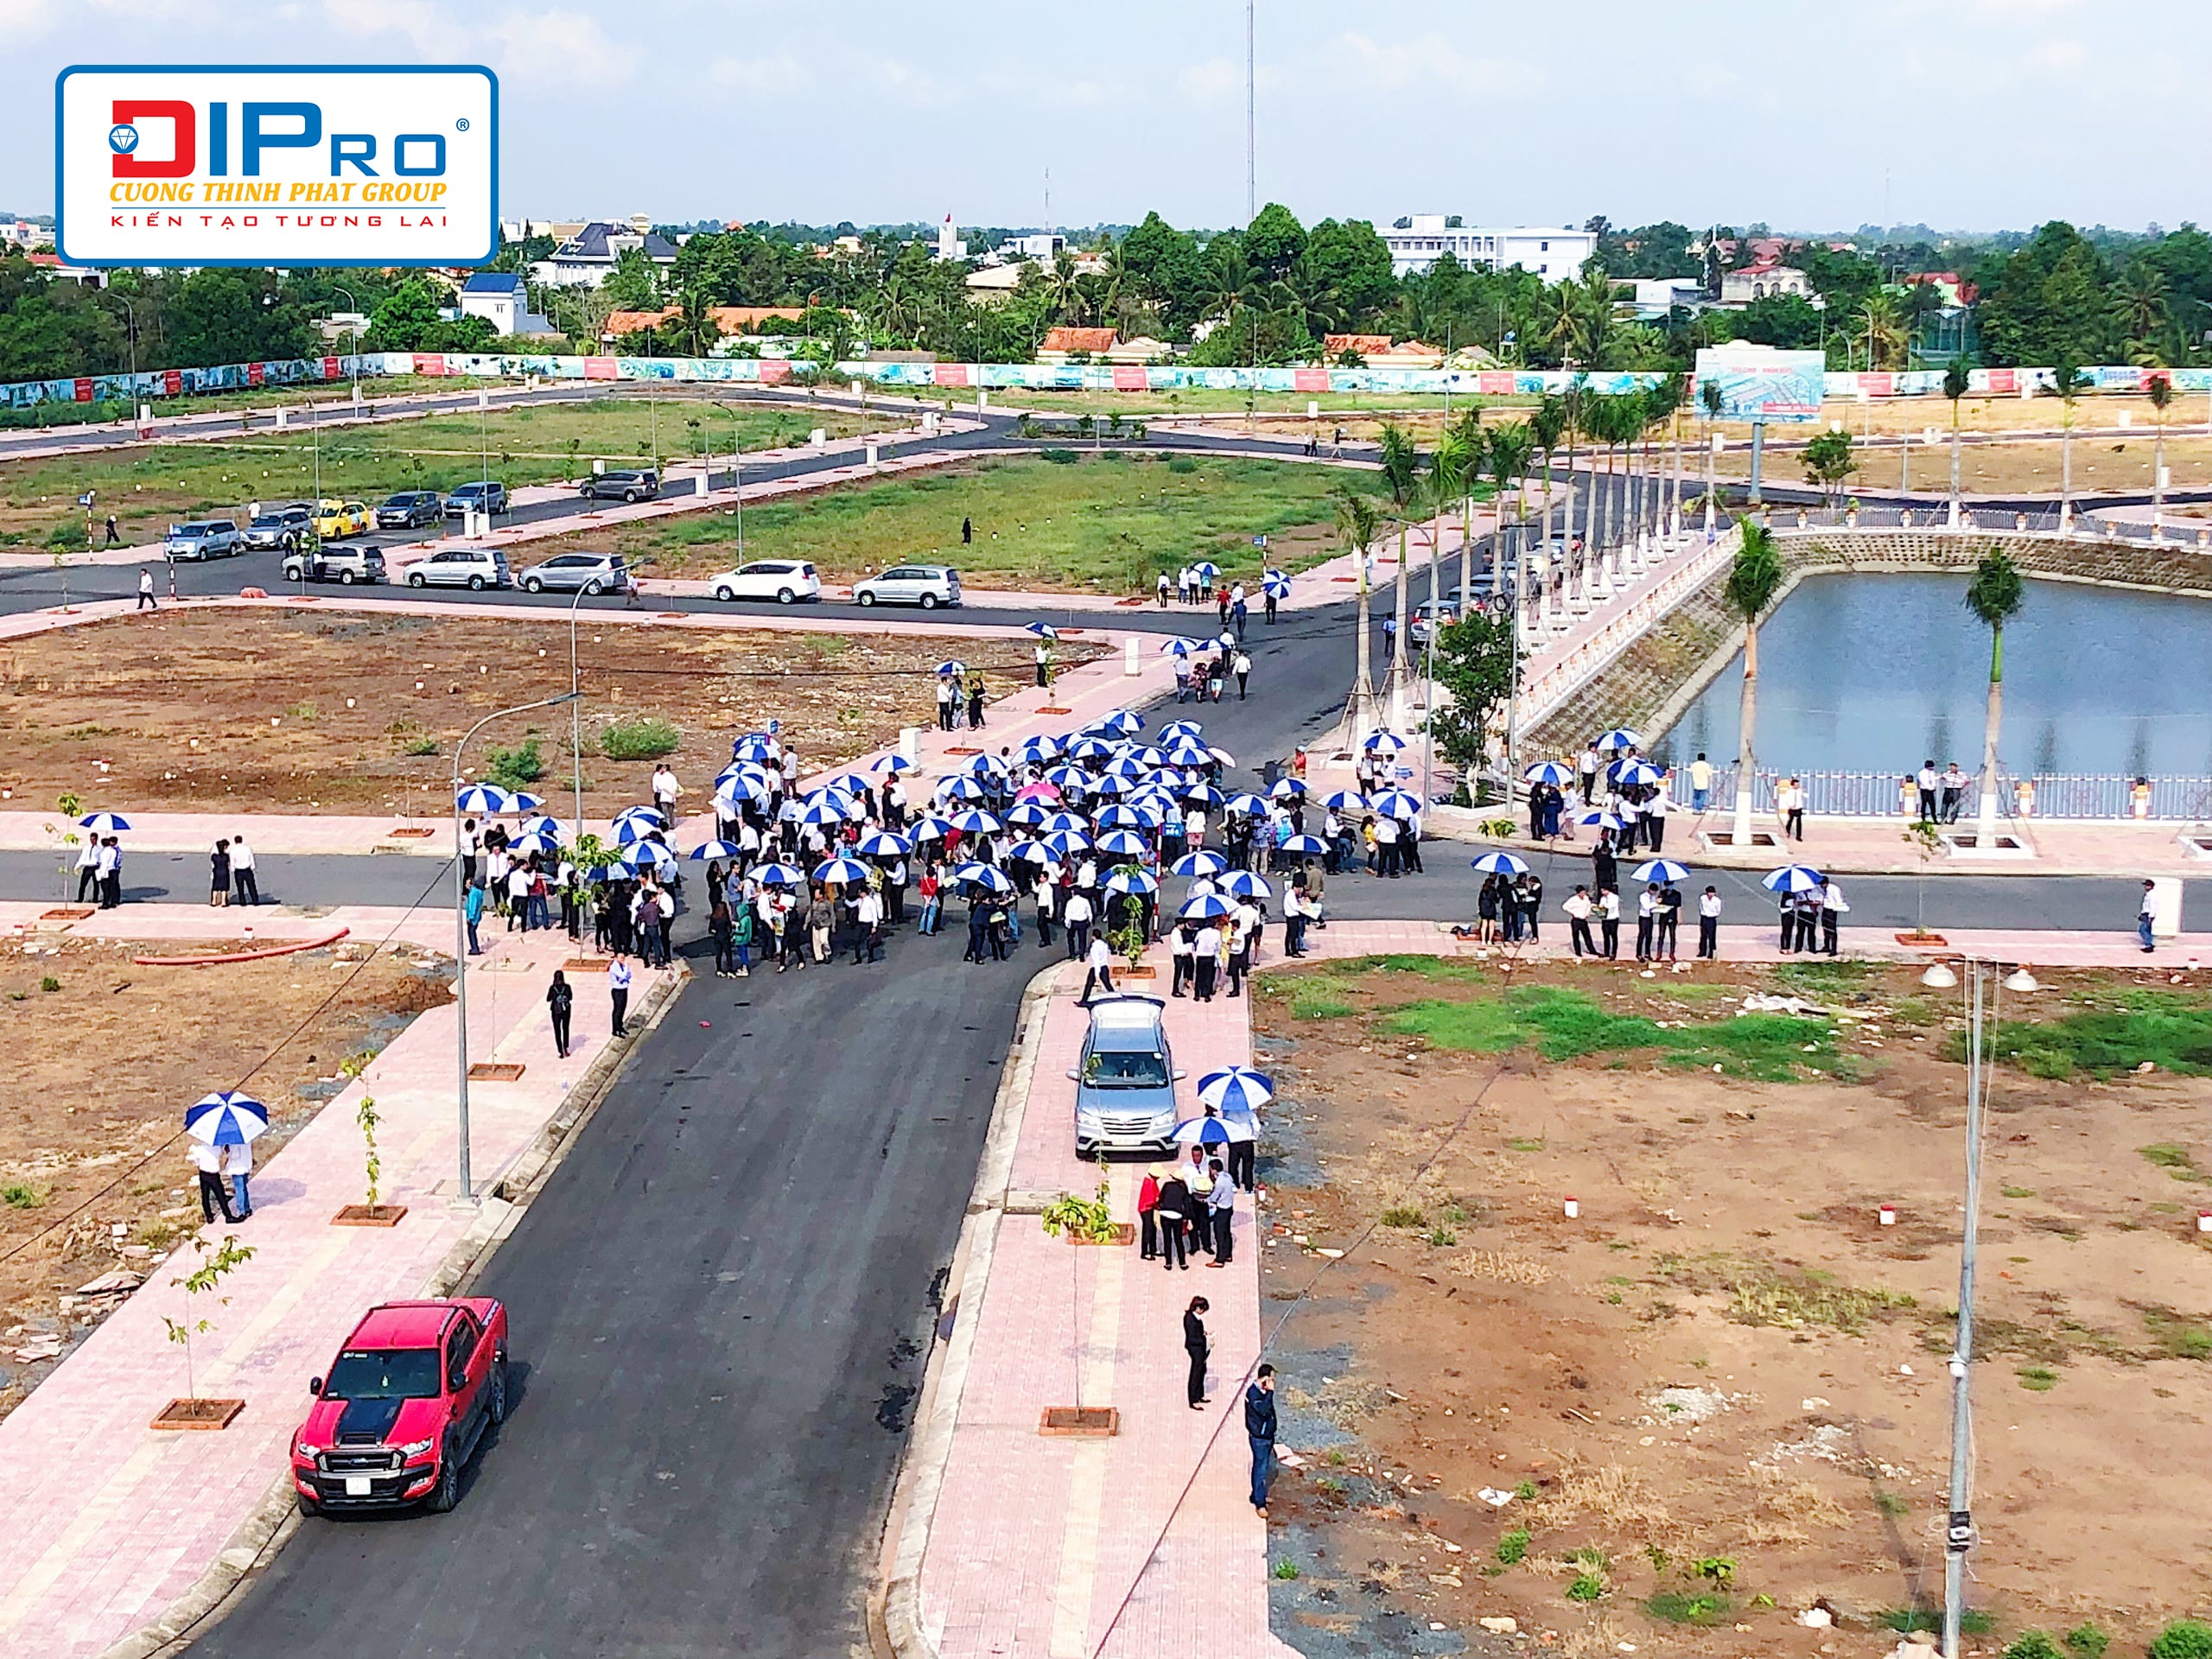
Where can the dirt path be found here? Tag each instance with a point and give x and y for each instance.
(1718, 1396)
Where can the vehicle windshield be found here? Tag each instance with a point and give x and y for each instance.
(383, 1374)
(1124, 1069)
(269, 521)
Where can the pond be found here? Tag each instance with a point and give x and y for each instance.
(1863, 672)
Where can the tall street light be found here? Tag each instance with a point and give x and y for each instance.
(1958, 1537)
(460, 933)
(353, 307)
(736, 473)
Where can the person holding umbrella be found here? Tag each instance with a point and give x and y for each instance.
(221, 1125)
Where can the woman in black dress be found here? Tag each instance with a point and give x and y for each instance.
(1195, 1343)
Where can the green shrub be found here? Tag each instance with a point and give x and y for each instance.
(1514, 1547)
(22, 1195)
(1688, 1606)
(1058, 457)
(420, 745)
(1182, 464)
(2185, 1638)
(1587, 1586)
(1285, 1570)
(1403, 1214)
(49, 983)
(2033, 1644)
(512, 768)
(647, 738)
(2087, 1641)
(66, 538)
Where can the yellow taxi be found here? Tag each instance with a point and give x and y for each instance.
(335, 520)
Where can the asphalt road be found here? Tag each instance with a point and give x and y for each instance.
(720, 1304)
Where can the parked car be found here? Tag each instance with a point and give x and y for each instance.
(204, 538)
(405, 1405)
(483, 495)
(568, 572)
(461, 567)
(279, 528)
(345, 565)
(335, 520)
(410, 508)
(926, 585)
(1125, 1080)
(1424, 620)
(782, 580)
(641, 485)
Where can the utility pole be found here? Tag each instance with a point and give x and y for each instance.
(1251, 153)
(1958, 1536)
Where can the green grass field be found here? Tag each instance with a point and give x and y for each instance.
(1098, 524)
(148, 488)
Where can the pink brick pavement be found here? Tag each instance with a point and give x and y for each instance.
(110, 1521)
(1053, 1576)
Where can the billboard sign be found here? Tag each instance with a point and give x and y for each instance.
(255, 165)
(1758, 382)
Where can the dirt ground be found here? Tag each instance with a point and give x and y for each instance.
(2102, 463)
(1718, 1396)
(95, 1173)
(357, 713)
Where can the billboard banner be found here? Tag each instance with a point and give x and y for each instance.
(1757, 384)
(253, 165)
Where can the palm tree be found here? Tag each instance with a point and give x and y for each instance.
(2142, 310)
(1563, 325)
(693, 327)
(1400, 463)
(1472, 454)
(1661, 401)
(1548, 424)
(1359, 524)
(1885, 329)
(1714, 399)
(1754, 581)
(1511, 447)
(2068, 380)
(1994, 596)
(2160, 391)
(1957, 382)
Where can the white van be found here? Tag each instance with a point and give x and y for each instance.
(461, 567)
(1125, 1080)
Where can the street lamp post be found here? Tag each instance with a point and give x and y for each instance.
(736, 473)
(354, 309)
(461, 935)
(1958, 1529)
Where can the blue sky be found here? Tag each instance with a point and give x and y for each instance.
(1960, 113)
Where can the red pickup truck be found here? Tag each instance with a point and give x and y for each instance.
(407, 1400)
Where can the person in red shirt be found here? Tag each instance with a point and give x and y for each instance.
(1149, 1201)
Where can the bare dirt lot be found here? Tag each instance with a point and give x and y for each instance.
(348, 712)
(2104, 463)
(1719, 1398)
(96, 1180)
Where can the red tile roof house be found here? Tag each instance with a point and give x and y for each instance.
(1061, 344)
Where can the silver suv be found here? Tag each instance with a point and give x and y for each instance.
(1125, 1081)
(568, 572)
(461, 567)
(210, 538)
(926, 585)
(337, 563)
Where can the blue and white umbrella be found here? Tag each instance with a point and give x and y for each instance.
(1202, 1132)
(1598, 819)
(103, 824)
(1636, 774)
(1205, 568)
(1065, 777)
(734, 792)
(1277, 587)
(523, 801)
(1303, 845)
(1235, 1089)
(1116, 817)
(1030, 814)
(1660, 870)
(845, 870)
(628, 832)
(983, 876)
(647, 853)
(1382, 743)
(1205, 861)
(483, 797)
(1793, 877)
(980, 763)
(1177, 648)
(543, 825)
(778, 874)
(1110, 785)
(826, 811)
(1344, 800)
(1067, 821)
(1249, 806)
(1122, 844)
(952, 665)
(1247, 884)
(1397, 804)
(707, 849)
(1067, 843)
(1177, 729)
(1136, 882)
(852, 785)
(1120, 722)
(975, 822)
(960, 788)
(883, 844)
(754, 745)
(893, 764)
(1030, 852)
(227, 1119)
(647, 815)
(1038, 749)
(1042, 630)
(1286, 789)
(1620, 738)
(1152, 815)
(1555, 773)
(1501, 864)
(541, 841)
(1205, 907)
(1091, 748)
(929, 827)
(1203, 795)
(1128, 768)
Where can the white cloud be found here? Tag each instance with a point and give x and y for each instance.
(559, 47)
(25, 16)
(425, 27)
(907, 83)
(1424, 62)
(765, 78)
(1214, 78)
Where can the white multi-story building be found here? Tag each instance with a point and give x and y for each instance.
(1419, 240)
(948, 244)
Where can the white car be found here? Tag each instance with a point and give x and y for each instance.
(785, 580)
(461, 567)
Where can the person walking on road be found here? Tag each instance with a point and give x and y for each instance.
(561, 1002)
(2145, 914)
(1260, 1430)
(114, 535)
(1241, 666)
(146, 601)
(248, 889)
(618, 987)
(1098, 970)
(1196, 1344)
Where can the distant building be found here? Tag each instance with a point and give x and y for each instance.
(1954, 289)
(85, 275)
(1142, 350)
(1043, 247)
(1763, 280)
(342, 325)
(1364, 345)
(734, 320)
(1061, 344)
(588, 256)
(499, 297)
(995, 282)
(16, 234)
(949, 244)
(1419, 240)
(1655, 297)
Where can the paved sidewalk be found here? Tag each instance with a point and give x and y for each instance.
(112, 1522)
(1070, 1548)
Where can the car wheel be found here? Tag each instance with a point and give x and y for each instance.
(308, 1508)
(630, 498)
(929, 601)
(447, 1492)
(344, 578)
(415, 579)
(726, 594)
(784, 596)
(532, 584)
(867, 599)
(592, 587)
(476, 584)
(496, 1402)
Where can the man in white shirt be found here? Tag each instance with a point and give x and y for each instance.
(1194, 828)
(1708, 923)
(1832, 907)
(1647, 919)
(1078, 918)
(1926, 780)
(1577, 908)
(249, 890)
(88, 868)
(1386, 846)
(1097, 971)
(1205, 962)
(618, 987)
(1294, 920)
(868, 938)
(665, 789)
(1654, 812)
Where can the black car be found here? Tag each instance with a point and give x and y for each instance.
(410, 508)
(626, 487)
